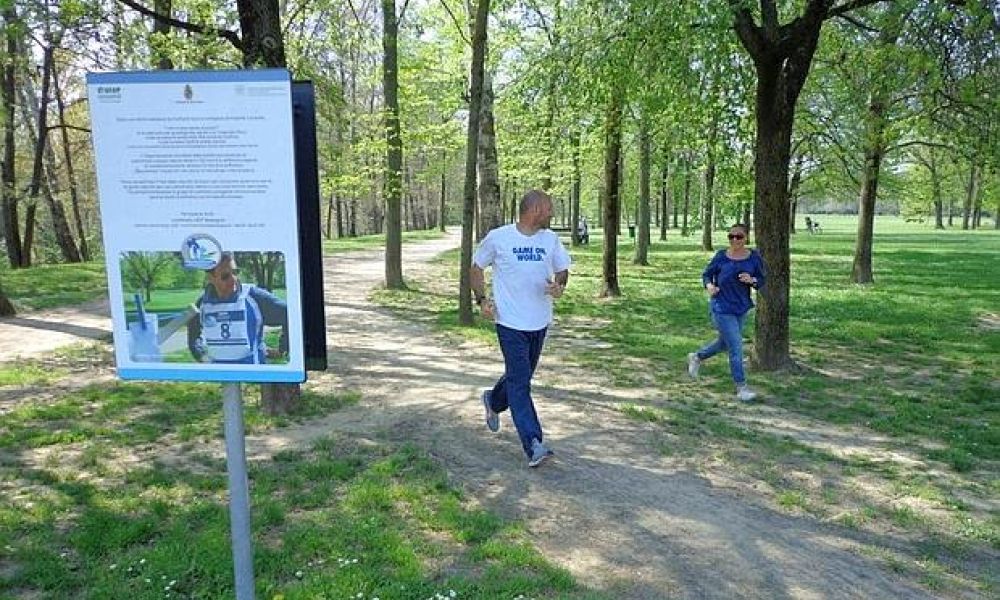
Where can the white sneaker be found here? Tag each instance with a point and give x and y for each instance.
(539, 453)
(744, 393)
(694, 363)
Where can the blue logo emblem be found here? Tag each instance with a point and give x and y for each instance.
(200, 251)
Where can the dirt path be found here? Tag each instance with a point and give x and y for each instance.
(35, 334)
(612, 509)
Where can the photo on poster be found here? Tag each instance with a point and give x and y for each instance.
(232, 313)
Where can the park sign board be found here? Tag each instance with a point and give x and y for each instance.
(197, 185)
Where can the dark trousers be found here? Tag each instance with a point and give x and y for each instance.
(521, 350)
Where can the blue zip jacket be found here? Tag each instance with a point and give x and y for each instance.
(273, 312)
(734, 295)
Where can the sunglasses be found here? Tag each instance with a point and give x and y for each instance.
(736, 236)
(227, 276)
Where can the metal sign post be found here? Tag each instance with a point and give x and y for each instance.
(239, 490)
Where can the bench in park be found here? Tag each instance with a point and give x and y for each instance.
(562, 230)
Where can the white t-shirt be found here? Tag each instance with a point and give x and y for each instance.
(522, 266)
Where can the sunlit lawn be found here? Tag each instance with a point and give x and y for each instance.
(374, 242)
(48, 286)
(112, 490)
(915, 357)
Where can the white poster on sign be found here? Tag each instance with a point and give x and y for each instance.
(196, 177)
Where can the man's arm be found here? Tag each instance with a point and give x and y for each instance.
(558, 284)
(196, 345)
(274, 311)
(477, 281)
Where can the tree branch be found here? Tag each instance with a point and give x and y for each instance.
(458, 26)
(769, 18)
(402, 13)
(847, 7)
(746, 29)
(859, 24)
(541, 17)
(231, 36)
(70, 127)
(922, 143)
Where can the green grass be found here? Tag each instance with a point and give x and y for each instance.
(48, 286)
(110, 490)
(27, 373)
(912, 358)
(374, 242)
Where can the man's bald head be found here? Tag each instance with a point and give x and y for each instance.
(532, 199)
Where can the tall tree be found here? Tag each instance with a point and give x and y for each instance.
(43, 175)
(6, 306)
(665, 196)
(489, 169)
(876, 140)
(68, 163)
(264, 46)
(574, 220)
(8, 174)
(465, 316)
(393, 184)
(611, 193)
(642, 220)
(782, 55)
(708, 191)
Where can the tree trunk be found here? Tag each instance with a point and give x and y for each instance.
(861, 272)
(970, 195)
(793, 195)
(782, 68)
(936, 191)
(642, 218)
(8, 179)
(611, 194)
(393, 189)
(676, 209)
(74, 193)
(260, 22)
(665, 200)
(6, 306)
(687, 196)
(774, 131)
(44, 174)
(977, 200)
(550, 139)
(465, 316)
(574, 217)
(443, 207)
(513, 202)
(708, 205)
(263, 45)
(331, 207)
(489, 176)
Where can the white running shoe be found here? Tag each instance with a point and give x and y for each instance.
(744, 393)
(694, 363)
